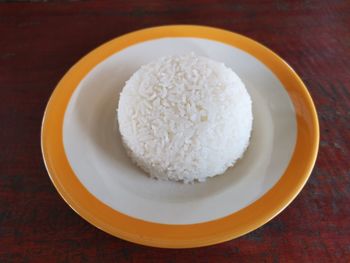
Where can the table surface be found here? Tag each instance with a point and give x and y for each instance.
(40, 41)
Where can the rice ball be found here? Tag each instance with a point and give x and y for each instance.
(185, 118)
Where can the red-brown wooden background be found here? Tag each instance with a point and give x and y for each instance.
(40, 40)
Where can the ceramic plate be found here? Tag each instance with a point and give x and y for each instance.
(87, 164)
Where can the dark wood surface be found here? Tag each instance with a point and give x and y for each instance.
(40, 40)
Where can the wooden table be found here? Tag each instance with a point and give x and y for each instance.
(40, 41)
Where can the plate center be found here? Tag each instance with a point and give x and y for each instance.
(95, 152)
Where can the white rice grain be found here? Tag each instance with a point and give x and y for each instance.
(185, 118)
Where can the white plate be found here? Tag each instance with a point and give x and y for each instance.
(88, 165)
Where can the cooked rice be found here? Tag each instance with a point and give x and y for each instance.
(185, 118)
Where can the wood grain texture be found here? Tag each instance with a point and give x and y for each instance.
(40, 40)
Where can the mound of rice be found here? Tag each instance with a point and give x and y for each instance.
(185, 118)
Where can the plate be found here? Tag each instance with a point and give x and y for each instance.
(87, 164)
